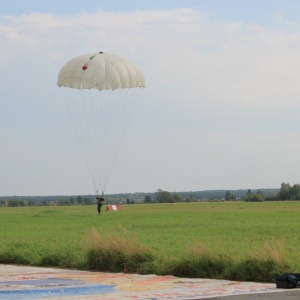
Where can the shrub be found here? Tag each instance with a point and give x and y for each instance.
(263, 266)
(13, 257)
(116, 252)
(63, 257)
(204, 266)
(201, 262)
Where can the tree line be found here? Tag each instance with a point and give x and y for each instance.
(286, 192)
(15, 201)
(22, 201)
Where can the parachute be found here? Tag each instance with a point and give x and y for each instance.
(100, 92)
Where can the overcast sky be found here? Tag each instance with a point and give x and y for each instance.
(220, 109)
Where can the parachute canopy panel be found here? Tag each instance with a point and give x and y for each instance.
(100, 92)
(101, 71)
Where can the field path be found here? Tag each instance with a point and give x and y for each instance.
(24, 282)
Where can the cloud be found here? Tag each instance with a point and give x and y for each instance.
(231, 63)
(206, 80)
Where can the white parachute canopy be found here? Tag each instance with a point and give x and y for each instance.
(100, 91)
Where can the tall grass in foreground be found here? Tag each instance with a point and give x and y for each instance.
(263, 266)
(237, 241)
(124, 253)
(118, 252)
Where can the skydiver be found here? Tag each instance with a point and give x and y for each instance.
(100, 201)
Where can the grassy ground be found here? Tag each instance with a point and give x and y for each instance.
(231, 240)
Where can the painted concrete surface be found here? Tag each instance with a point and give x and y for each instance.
(23, 282)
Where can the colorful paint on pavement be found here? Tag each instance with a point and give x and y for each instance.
(22, 282)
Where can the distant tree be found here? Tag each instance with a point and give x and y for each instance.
(127, 201)
(22, 203)
(79, 200)
(192, 198)
(63, 202)
(13, 202)
(296, 192)
(254, 197)
(288, 192)
(163, 197)
(259, 192)
(177, 198)
(285, 192)
(147, 199)
(87, 201)
(31, 203)
(229, 196)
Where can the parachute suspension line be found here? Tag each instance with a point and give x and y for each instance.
(109, 140)
(85, 137)
(107, 105)
(100, 120)
(128, 106)
(101, 107)
(117, 116)
(92, 130)
(75, 106)
(115, 120)
(107, 132)
(88, 116)
(100, 126)
(93, 118)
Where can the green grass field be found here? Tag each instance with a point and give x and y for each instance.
(230, 240)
